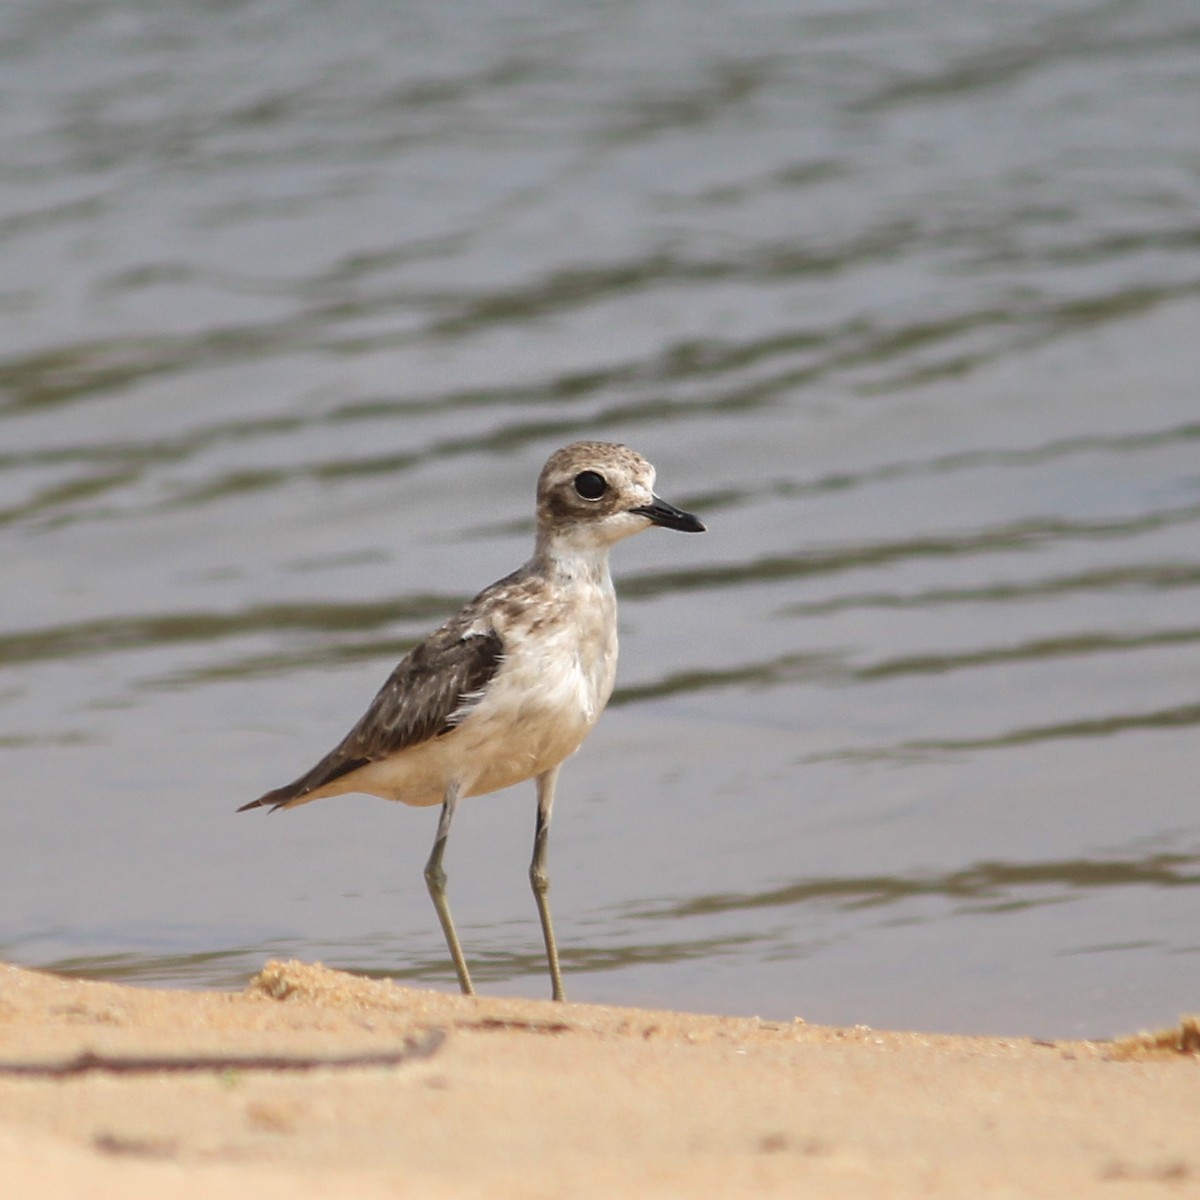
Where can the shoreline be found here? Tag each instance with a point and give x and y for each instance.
(315, 1083)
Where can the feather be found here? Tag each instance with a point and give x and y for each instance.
(431, 690)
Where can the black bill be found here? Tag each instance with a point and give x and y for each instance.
(670, 517)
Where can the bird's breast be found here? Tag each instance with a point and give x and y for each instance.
(556, 676)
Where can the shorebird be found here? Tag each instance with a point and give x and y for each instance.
(511, 684)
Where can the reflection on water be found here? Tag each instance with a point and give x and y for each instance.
(904, 303)
(984, 886)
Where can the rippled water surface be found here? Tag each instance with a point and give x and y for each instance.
(903, 299)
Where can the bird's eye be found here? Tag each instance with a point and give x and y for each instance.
(590, 485)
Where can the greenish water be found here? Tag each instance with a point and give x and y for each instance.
(903, 300)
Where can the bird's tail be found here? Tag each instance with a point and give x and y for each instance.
(277, 798)
(300, 791)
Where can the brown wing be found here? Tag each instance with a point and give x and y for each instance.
(427, 694)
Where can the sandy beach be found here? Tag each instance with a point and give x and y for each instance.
(314, 1083)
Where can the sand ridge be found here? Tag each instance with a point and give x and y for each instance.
(488, 1096)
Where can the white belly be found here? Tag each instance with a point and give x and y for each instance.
(536, 711)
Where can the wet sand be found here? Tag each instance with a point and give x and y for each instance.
(133, 1092)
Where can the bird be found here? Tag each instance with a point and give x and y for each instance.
(510, 686)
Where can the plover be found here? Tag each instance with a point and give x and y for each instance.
(510, 685)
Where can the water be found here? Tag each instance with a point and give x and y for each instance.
(903, 299)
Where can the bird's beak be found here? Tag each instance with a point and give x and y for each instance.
(669, 517)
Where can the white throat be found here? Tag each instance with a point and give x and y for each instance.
(572, 558)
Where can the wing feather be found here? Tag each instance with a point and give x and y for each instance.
(431, 690)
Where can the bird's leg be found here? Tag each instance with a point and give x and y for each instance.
(541, 880)
(435, 880)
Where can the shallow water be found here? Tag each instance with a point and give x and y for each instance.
(903, 300)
